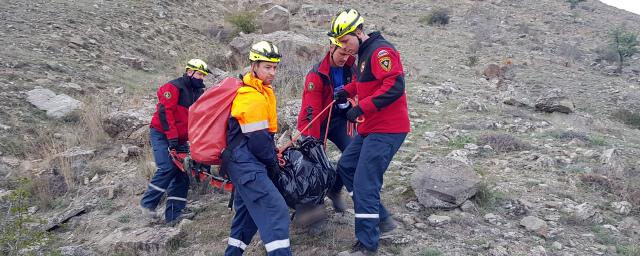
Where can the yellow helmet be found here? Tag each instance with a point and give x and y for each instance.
(264, 51)
(344, 23)
(198, 65)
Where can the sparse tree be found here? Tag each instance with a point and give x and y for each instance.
(624, 43)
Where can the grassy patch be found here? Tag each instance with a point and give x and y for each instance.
(628, 117)
(503, 142)
(430, 252)
(603, 236)
(460, 141)
(628, 250)
(487, 197)
(597, 141)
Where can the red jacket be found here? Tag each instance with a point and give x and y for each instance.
(172, 111)
(318, 93)
(380, 88)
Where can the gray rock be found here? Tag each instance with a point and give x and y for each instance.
(535, 225)
(122, 124)
(538, 251)
(56, 106)
(296, 48)
(434, 95)
(75, 250)
(63, 218)
(472, 105)
(587, 212)
(275, 19)
(611, 162)
(143, 241)
(414, 206)
(437, 220)
(468, 206)
(461, 155)
(131, 150)
(622, 207)
(444, 183)
(118, 91)
(554, 102)
(556, 246)
(72, 86)
(499, 251)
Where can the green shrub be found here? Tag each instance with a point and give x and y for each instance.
(472, 60)
(244, 22)
(436, 17)
(486, 198)
(628, 117)
(18, 229)
(623, 42)
(460, 141)
(431, 252)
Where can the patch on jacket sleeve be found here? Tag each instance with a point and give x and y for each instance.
(167, 95)
(385, 63)
(310, 86)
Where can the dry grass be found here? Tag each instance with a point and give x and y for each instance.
(146, 163)
(502, 142)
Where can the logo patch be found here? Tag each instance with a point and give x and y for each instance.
(382, 53)
(362, 66)
(385, 63)
(310, 86)
(167, 95)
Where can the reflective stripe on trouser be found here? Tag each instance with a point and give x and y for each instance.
(361, 168)
(167, 179)
(259, 207)
(337, 135)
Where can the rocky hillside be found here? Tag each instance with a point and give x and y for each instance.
(525, 134)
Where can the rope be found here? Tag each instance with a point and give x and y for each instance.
(295, 138)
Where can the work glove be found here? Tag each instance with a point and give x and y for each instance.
(174, 144)
(354, 113)
(341, 96)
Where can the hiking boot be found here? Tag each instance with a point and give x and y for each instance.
(148, 213)
(317, 228)
(336, 201)
(358, 249)
(387, 225)
(186, 215)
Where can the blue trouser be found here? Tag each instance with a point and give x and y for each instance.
(168, 178)
(259, 207)
(338, 135)
(362, 167)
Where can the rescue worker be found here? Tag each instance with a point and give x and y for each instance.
(168, 131)
(323, 80)
(252, 159)
(382, 103)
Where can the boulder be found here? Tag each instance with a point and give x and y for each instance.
(56, 106)
(437, 220)
(444, 183)
(275, 19)
(554, 101)
(622, 208)
(536, 225)
(293, 46)
(587, 213)
(611, 163)
(122, 124)
(143, 241)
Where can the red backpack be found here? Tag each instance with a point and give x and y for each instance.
(208, 118)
